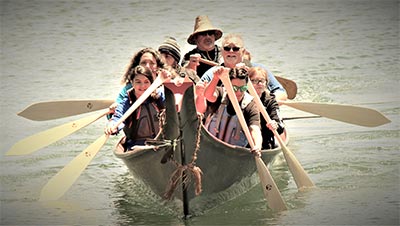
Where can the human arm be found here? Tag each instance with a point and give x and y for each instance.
(210, 92)
(201, 101)
(252, 115)
(121, 108)
(272, 108)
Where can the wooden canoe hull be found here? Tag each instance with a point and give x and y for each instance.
(227, 170)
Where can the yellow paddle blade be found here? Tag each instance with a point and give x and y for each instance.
(47, 137)
(63, 180)
(346, 113)
(299, 174)
(270, 189)
(49, 110)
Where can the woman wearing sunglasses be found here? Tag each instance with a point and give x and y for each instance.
(223, 122)
(259, 78)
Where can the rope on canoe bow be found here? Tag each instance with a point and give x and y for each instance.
(188, 169)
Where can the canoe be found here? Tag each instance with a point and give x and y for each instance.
(227, 170)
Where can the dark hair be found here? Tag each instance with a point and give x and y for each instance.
(239, 73)
(135, 61)
(140, 70)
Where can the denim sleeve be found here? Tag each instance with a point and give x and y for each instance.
(123, 93)
(122, 107)
(273, 84)
(208, 75)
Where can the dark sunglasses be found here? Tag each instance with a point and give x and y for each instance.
(234, 48)
(204, 33)
(241, 88)
(256, 81)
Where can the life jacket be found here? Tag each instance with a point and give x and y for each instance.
(143, 123)
(226, 127)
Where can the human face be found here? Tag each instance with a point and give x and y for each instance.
(140, 84)
(239, 83)
(259, 83)
(205, 40)
(232, 57)
(168, 59)
(149, 61)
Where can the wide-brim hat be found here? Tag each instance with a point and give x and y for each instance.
(202, 23)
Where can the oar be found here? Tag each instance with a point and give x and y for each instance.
(289, 85)
(270, 189)
(49, 110)
(47, 137)
(299, 174)
(300, 117)
(346, 113)
(63, 180)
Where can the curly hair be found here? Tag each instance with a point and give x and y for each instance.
(135, 61)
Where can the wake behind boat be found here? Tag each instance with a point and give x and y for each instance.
(227, 170)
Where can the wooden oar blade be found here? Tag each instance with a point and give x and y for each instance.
(299, 174)
(64, 179)
(270, 189)
(289, 85)
(346, 113)
(49, 110)
(47, 137)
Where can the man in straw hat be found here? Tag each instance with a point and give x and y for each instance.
(204, 36)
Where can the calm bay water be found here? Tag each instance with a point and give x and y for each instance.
(336, 51)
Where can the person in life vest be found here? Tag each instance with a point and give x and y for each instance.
(143, 123)
(223, 123)
(259, 78)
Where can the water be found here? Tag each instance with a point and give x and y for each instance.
(336, 51)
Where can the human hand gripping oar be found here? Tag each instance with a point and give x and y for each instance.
(299, 174)
(65, 178)
(289, 85)
(346, 113)
(270, 189)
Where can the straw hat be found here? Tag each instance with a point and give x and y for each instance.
(171, 46)
(202, 23)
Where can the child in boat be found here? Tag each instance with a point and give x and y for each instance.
(223, 123)
(259, 78)
(143, 123)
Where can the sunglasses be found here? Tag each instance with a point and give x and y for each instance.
(204, 33)
(234, 48)
(241, 88)
(256, 81)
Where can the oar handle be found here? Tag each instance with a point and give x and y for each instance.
(270, 189)
(260, 106)
(228, 86)
(157, 82)
(209, 62)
